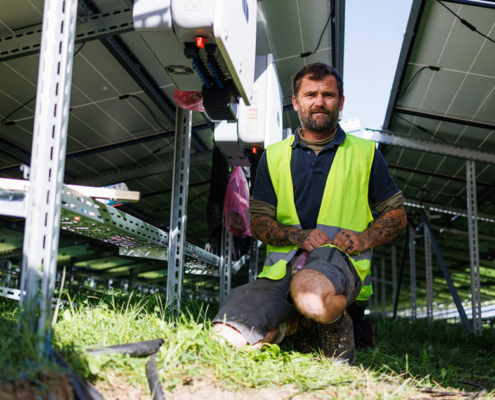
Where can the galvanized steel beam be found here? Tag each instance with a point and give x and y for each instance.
(41, 238)
(253, 260)
(428, 146)
(429, 271)
(94, 27)
(384, 308)
(449, 210)
(375, 290)
(394, 271)
(178, 208)
(412, 264)
(474, 246)
(226, 265)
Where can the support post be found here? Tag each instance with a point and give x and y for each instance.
(429, 271)
(394, 272)
(398, 286)
(3, 272)
(41, 236)
(253, 259)
(178, 208)
(375, 291)
(412, 265)
(474, 246)
(446, 275)
(384, 308)
(225, 265)
(9, 272)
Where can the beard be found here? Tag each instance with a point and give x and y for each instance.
(318, 125)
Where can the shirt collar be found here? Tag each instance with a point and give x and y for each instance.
(338, 139)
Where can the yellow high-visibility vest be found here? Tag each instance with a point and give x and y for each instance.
(344, 204)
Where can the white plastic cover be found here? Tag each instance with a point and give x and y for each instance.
(261, 122)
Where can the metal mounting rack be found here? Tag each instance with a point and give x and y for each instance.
(135, 238)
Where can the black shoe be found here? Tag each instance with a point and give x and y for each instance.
(369, 334)
(337, 340)
(305, 339)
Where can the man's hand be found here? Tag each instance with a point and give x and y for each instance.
(272, 232)
(315, 239)
(349, 241)
(384, 229)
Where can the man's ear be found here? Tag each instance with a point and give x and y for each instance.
(294, 103)
(341, 103)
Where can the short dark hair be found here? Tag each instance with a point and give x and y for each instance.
(316, 72)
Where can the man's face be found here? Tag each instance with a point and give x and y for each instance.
(318, 104)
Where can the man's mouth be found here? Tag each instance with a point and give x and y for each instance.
(319, 112)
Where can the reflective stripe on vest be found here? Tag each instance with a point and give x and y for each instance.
(344, 204)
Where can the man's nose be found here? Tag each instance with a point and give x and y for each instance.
(319, 101)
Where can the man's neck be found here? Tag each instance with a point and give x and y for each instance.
(310, 135)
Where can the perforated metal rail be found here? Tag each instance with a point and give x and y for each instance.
(134, 237)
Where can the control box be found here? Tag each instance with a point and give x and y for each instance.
(260, 123)
(207, 46)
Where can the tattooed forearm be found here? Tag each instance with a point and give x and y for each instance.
(274, 233)
(385, 228)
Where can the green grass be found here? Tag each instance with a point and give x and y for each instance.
(408, 358)
(23, 368)
(443, 353)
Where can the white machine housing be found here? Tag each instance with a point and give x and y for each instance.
(170, 28)
(259, 124)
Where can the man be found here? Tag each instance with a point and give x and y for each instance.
(312, 194)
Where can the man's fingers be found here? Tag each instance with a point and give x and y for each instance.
(316, 239)
(345, 240)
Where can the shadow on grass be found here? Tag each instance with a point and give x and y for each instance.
(27, 374)
(442, 353)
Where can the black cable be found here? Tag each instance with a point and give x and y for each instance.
(420, 189)
(154, 379)
(125, 96)
(431, 67)
(473, 384)
(13, 112)
(153, 153)
(83, 390)
(420, 128)
(137, 349)
(321, 37)
(78, 50)
(30, 100)
(466, 23)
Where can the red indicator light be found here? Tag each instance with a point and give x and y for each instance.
(77, 218)
(201, 41)
(255, 150)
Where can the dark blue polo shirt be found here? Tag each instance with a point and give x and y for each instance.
(309, 176)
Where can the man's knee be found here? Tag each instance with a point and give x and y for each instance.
(230, 335)
(307, 293)
(314, 294)
(235, 338)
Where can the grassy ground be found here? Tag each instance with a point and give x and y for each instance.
(410, 361)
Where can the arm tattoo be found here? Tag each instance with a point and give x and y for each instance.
(274, 233)
(385, 228)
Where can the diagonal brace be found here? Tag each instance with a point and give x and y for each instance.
(446, 274)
